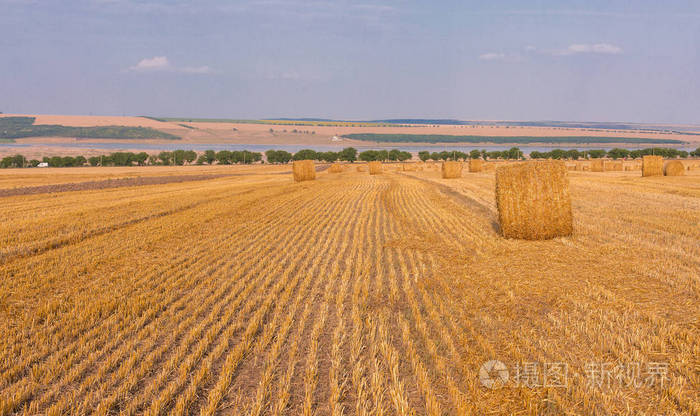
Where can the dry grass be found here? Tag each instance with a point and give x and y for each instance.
(303, 170)
(533, 200)
(451, 170)
(375, 167)
(357, 295)
(674, 168)
(652, 166)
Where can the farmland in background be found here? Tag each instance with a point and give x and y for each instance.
(351, 294)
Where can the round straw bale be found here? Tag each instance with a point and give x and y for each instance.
(451, 170)
(475, 165)
(597, 165)
(674, 168)
(361, 168)
(612, 165)
(304, 170)
(533, 200)
(335, 168)
(375, 167)
(652, 166)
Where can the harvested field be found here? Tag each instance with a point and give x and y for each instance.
(354, 294)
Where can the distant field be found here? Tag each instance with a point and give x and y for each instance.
(19, 127)
(443, 138)
(351, 294)
(283, 122)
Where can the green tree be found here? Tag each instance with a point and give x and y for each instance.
(165, 157)
(349, 154)
(403, 156)
(306, 154)
(424, 155)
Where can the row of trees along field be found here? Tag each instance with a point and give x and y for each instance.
(174, 158)
(349, 154)
(615, 153)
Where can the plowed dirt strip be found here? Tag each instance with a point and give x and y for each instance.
(110, 183)
(348, 295)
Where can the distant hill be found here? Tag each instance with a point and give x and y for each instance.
(445, 138)
(19, 127)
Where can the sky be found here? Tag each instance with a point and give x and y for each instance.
(635, 61)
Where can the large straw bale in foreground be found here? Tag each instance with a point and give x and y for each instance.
(475, 165)
(451, 170)
(652, 166)
(533, 200)
(611, 165)
(335, 168)
(304, 170)
(597, 165)
(375, 167)
(674, 168)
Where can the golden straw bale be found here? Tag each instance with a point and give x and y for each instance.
(361, 168)
(335, 168)
(409, 167)
(476, 165)
(652, 166)
(611, 165)
(375, 167)
(674, 168)
(451, 170)
(597, 165)
(628, 168)
(486, 166)
(304, 170)
(533, 200)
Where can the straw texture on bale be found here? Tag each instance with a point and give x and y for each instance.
(361, 169)
(451, 170)
(597, 165)
(533, 200)
(612, 166)
(335, 168)
(475, 165)
(375, 167)
(674, 168)
(652, 166)
(304, 170)
(487, 167)
(409, 167)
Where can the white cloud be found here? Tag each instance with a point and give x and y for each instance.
(597, 48)
(161, 63)
(157, 63)
(492, 56)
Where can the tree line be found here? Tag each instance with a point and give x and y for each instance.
(349, 154)
(174, 158)
(615, 153)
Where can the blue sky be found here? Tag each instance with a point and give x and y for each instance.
(633, 61)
